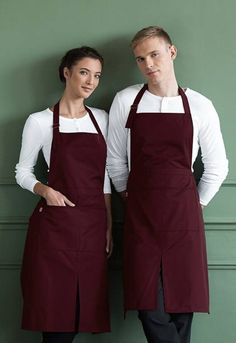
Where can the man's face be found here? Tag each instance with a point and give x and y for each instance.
(154, 57)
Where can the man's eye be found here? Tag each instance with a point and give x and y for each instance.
(139, 59)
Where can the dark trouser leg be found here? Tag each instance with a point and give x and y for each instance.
(183, 322)
(63, 337)
(162, 327)
(58, 337)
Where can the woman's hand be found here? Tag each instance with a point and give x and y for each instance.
(55, 198)
(52, 197)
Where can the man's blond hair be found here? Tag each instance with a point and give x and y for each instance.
(150, 32)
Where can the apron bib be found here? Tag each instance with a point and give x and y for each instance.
(65, 264)
(164, 230)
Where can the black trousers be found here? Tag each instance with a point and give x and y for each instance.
(63, 337)
(162, 327)
(58, 337)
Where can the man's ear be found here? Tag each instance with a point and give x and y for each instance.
(173, 52)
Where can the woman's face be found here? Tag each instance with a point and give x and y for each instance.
(83, 78)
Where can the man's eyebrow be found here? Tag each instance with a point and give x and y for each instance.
(151, 52)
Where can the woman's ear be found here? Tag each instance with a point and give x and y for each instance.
(66, 72)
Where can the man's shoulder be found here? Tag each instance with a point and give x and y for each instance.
(129, 92)
(201, 106)
(197, 97)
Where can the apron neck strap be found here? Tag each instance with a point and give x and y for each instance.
(93, 120)
(184, 100)
(134, 106)
(56, 123)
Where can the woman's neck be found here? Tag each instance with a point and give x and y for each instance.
(71, 107)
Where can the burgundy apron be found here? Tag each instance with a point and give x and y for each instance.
(164, 230)
(65, 264)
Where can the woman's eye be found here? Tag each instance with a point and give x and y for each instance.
(83, 72)
(97, 76)
(155, 54)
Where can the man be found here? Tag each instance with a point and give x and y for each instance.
(155, 132)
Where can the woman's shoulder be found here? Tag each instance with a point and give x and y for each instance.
(42, 120)
(39, 123)
(42, 116)
(101, 118)
(99, 114)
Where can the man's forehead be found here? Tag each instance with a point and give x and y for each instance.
(147, 49)
(150, 43)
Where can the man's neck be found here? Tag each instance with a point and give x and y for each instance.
(164, 89)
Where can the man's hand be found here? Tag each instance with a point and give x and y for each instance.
(109, 242)
(124, 195)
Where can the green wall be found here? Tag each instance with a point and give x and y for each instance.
(33, 37)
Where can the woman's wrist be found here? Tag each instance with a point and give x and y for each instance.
(41, 189)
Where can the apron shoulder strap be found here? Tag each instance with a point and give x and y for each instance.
(185, 101)
(94, 120)
(56, 123)
(134, 106)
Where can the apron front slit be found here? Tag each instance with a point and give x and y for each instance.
(77, 309)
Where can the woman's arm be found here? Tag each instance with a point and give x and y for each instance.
(32, 143)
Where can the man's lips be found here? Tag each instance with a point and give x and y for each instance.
(151, 72)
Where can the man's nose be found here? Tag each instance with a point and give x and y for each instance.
(148, 63)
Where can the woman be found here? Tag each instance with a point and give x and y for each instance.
(64, 272)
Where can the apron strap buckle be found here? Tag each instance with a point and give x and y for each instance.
(55, 126)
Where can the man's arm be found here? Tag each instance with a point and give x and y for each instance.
(117, 160)
(213, 156)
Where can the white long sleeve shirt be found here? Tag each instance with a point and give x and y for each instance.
(206, 134)
(37, 135)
